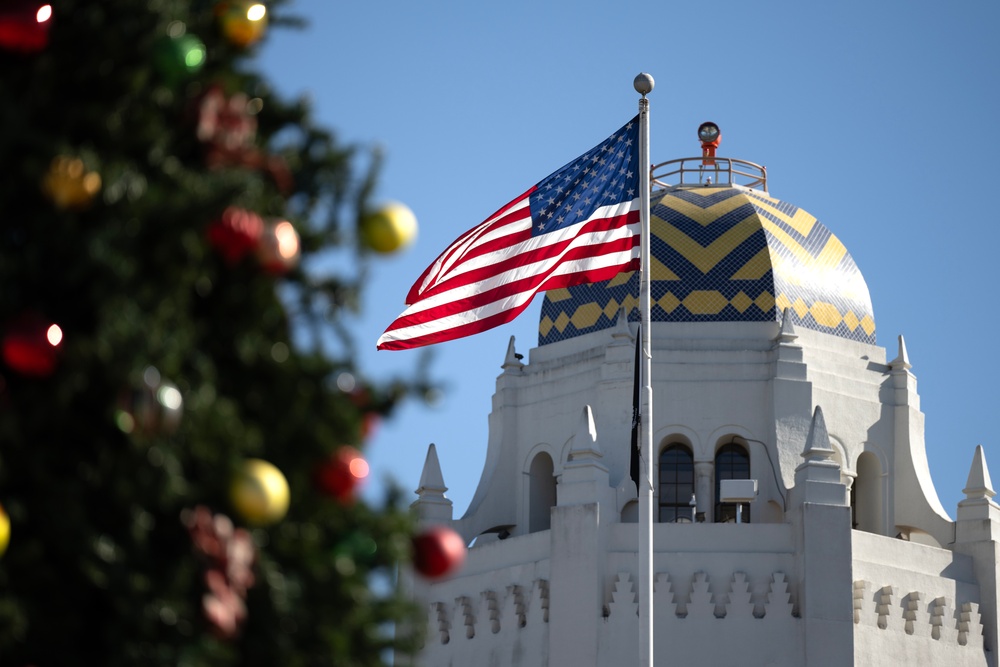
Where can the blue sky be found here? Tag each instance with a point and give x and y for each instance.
(879, 118)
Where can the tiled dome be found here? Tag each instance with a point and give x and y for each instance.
(727, 254)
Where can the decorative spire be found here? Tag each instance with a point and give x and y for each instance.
(584, 445)
(432, 505)
(787, 334)
(979, 486)
(584, 478)
(818, 442)
(818, 477)
(431, 480)
(621, 333)
(902, 360)
(512, 361)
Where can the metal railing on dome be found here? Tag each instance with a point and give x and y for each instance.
(702, 171)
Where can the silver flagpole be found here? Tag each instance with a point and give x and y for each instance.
(644, 85)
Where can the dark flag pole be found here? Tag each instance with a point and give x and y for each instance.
(634, 460)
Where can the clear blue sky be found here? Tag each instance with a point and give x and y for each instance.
(879, 118)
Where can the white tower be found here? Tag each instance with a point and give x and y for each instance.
(765, 368)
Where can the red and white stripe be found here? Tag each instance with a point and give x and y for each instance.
(490, 274)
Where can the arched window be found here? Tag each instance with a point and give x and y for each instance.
(676, 473)
(732, 461)
(867, 494)
(541, 493)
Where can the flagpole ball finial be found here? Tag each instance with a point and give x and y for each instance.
(643, 83)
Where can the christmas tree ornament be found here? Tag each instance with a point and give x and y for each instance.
(438, 551)
(242, 22)
(341, 473)
(227, 129)
(389, 229)
(236, 233)
(226, 126)
(24, 25)
(259, 492)
(278, 250)
(228, 554)
(178, 54)
(4, 530)
(68, 183)
(31, 345)
(153, 407)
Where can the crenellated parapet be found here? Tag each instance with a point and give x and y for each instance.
(915, 604)
(490, 625)
(694, 611)
(916, 623)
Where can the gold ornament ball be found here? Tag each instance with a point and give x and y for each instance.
(390, 228)
(259, 492)
(243, 22)
(68, 183)
(4, 530)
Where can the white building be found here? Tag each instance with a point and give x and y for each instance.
(765, 367)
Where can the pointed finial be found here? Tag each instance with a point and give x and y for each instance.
(512, 360)
(431, 479)
(902, 360)
(979, 486)
(818, 442)
(787, 334)
(621, 332)
(584, 445)
(643, 83)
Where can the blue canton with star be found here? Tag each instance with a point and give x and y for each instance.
(605, 175)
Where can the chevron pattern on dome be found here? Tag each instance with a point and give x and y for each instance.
(727, 254)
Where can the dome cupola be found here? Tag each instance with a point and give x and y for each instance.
(724, 250)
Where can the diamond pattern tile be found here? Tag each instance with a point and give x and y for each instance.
(727, 255)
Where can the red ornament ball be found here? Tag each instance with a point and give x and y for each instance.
(438, 551)
(342, 473)
(236, 233)
(31, 346)
(24, 25)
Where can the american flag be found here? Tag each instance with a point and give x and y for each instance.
(578, 225)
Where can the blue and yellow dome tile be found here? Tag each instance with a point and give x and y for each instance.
(727, 254)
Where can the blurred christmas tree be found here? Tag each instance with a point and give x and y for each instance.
(157, 197)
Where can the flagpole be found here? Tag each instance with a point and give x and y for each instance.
(644, 85)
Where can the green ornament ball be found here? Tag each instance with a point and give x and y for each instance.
(177, 57)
